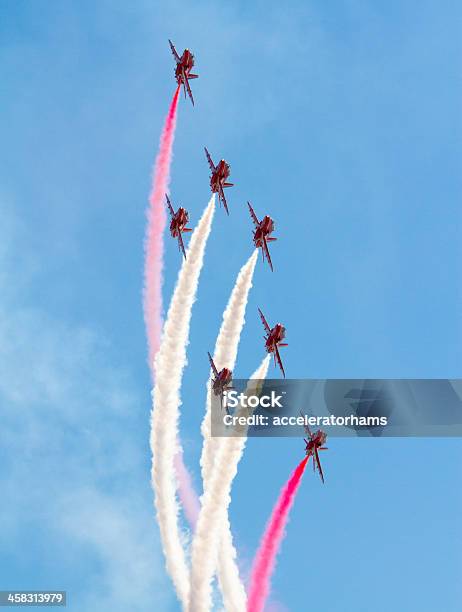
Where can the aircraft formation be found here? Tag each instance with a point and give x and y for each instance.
(261, 237)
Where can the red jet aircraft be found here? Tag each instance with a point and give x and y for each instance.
(218, 178)
(261, 235)
(178, 224)
(184, 65)
(222, 380)
(273, 340)
(314, 444)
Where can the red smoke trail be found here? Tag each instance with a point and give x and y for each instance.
(265, 559)
(188, 496)
(154, 244)
(153, 277)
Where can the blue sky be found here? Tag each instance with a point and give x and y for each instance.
(341, 120)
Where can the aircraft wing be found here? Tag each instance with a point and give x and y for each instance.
(170, 208)
(277, 358)
(253, 215)
(175, 54)
(223, 199)
(263, 320)
(187, 87)
(212, 365)
(181, 244)
(266, 252)
(209, 159)
(318, 463)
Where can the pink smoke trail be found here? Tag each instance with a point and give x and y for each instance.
(153, 277)
(154, 243)
(265, 559)
(188, 496)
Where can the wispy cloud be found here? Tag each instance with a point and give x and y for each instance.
(76, 503)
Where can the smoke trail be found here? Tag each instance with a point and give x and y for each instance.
(169, 364)
(224, 355)
(186, 491)
(265, 559)
(152, 298)
(213, 531)
(234, 596)
(154, 245)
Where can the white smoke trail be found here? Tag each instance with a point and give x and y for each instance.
(233, 592)
(224, 356)
(226, 352)
(213, 528)
(169, 364)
